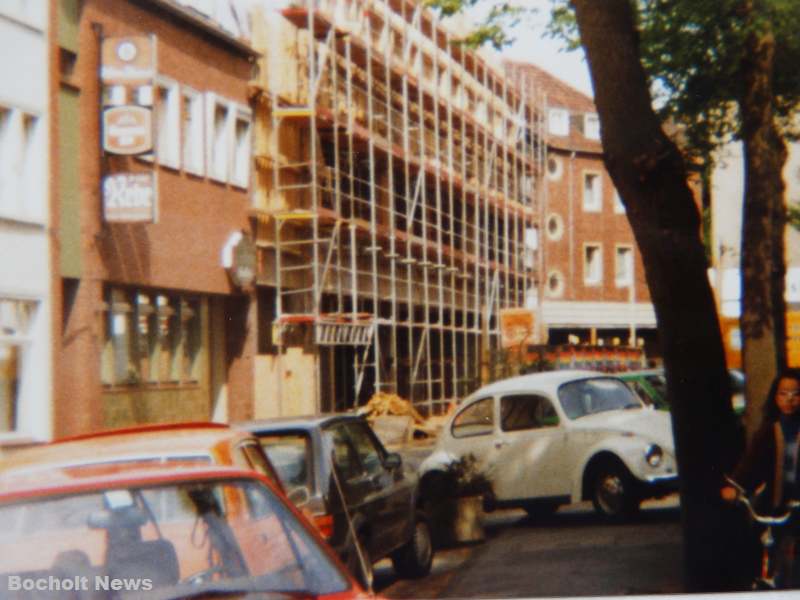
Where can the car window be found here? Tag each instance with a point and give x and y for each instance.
(257, 460)
(659, 384)
(643, 392)
(368, 452)
(475, 419)
(291, 457)
(345, 457)
(526, 411)
(590, 396)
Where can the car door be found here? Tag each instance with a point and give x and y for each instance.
(530, 458)
(393, 489)
(366, 501)
(472, 432)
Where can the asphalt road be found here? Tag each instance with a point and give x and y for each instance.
(571, 553)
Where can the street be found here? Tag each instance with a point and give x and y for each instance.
(572, 553)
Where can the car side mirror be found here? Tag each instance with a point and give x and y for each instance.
(299, 495)
(393, 461)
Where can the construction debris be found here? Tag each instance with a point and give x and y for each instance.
(396, 421)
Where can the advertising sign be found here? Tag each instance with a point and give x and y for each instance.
(128, 60)
(127, 130)
(128, 73)
(517, 326)
(129, 198)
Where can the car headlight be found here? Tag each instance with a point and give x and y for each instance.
(653, 455)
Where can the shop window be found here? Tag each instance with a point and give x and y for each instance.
(592, 264)
(151, 338)
(16, 318)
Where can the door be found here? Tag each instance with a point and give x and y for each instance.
(530, 458)
(472, 433)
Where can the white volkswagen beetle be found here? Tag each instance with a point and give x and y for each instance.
(547, 439)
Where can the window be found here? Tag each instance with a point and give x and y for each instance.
(555, 284)
(22, 165)
(217, 139)
(558, 121)
(554, 168)
(623, 266)
(240, 170)
(526, 412)
(592, 192)
(475, 419)
(167, 123)
(591, 126)
(555, 227)
(619, 207)
(151, 339)
(192, 132)
(16, 320)
(592, 264)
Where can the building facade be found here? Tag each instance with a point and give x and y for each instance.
(593, 289)
(156, 322)
(25, 273)
(397, 206)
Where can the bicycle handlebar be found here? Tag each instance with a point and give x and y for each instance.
(742, 498)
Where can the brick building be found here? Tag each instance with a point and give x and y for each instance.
(593, 288)
(151, 324)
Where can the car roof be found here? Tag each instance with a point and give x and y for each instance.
(57, 480)
(546, 379)
(173, 440)
(304, 422)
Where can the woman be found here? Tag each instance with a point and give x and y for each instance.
(771, 463)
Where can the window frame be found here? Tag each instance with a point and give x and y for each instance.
(558, 121)
(627, 281)
(193, 137)
(588, 278)
(591, 126)
(539, 425)
(23, 340)
(596, 203)
(168, 136)
(472, 405)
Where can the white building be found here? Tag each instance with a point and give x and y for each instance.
(25, 265)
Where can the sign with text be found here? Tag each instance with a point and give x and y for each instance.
(127, 130)
(129, 198)
(128, 59)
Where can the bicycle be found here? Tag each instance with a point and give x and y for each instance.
(771, 575)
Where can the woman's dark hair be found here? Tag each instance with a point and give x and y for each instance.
(771, 407)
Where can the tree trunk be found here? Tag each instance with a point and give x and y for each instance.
(650, 175)
(763, 320)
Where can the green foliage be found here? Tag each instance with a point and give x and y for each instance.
(494, 29)
(793, 216)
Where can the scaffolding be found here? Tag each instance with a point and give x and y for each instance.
(403, 176)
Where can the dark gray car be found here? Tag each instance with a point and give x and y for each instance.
(381, 495)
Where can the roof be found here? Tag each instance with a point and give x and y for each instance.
(173, 440)
(547, 379)
(557, 94)
(304, 422)
(60, 480)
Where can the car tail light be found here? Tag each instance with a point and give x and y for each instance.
(324, 524)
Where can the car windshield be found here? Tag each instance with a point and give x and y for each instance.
(590, 396)
(171, 541)
(289, 454)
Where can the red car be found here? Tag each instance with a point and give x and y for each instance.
(155, 530)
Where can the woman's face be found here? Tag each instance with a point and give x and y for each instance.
(787, 396)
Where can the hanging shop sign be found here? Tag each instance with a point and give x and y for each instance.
(517, 327)
(128, 74)
(129, 198)
(127, 130)
(239, 258)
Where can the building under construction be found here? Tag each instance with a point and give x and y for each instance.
(396, 205)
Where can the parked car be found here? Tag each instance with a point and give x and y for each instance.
(651, 386)
(548, 439)
(100, 531)
(381, 496)
(175, 443)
